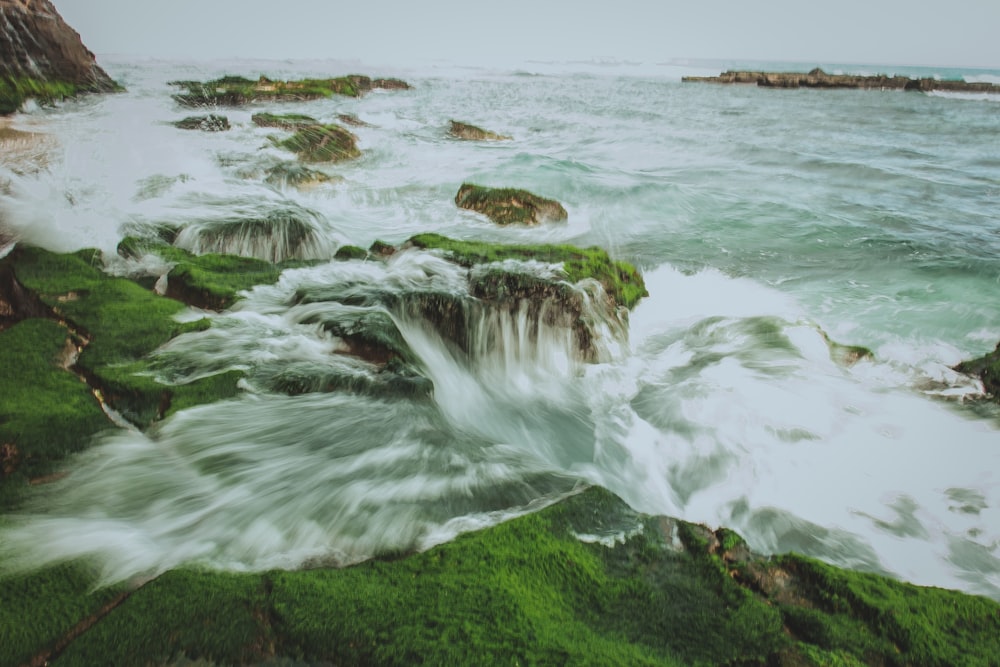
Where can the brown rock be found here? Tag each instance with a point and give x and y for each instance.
(35, 43)
(817, 78)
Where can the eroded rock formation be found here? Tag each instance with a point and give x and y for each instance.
(41, 56)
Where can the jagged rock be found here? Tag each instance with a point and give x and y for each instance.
(508, 205)
(42, 57)
(987, 369)
(210, 123)
(817, 78)
(473, 133)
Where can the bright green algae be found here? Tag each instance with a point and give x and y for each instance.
(530, 591)
(14, 92)
(125, 323)
(620, 279)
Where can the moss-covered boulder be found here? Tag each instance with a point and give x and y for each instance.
(239, 90)
(472, 133)
(321, 143)
(987, 369)
(287, 121)
(621, 281)
(505, 206)
(211, 281)
(209, 123)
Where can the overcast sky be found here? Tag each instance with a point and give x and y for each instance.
(397, 32)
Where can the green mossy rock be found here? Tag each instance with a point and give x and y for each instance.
(505, 206)
(238, 90)
(15, 91)
(472, 133)
(620, 280)
(586, 581)
(347, 252)
(288, 121)
(118, 323)
(987, 368)
(322, 143)
(210, 123)
(210, 281)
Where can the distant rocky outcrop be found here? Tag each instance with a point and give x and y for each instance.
(817, 78)
(238, 90)
(42, 57)
(509, 205)
(472, 133)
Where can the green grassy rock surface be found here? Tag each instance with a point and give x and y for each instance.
(540, 590)
(506, 206)
(621, 280)
(123, 323)
(15, 91)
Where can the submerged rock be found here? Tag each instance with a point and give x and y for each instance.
(473, 133)
(287, 121)
(817, 78)
(42, 57)
(508, 205)
(322, 143)
(210, 123)
(283, 233)
(987, 369)
(293, 174)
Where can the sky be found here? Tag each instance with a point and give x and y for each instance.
(397, 32)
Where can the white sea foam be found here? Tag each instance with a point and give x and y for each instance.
(724, 404)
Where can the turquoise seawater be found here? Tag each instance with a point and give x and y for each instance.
(765, 222)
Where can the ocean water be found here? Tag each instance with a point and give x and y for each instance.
(766, 223)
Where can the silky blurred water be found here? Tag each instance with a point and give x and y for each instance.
(765, 221)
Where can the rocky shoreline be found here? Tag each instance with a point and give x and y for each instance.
(817, 78)
(586, 580)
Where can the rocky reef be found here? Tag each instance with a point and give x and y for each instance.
(817, 78)
(472, 133)
(42, 57)
(239, 90)
(505, 206)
